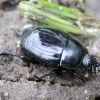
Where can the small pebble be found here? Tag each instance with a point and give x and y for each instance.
(1, 83)
(6, 94)
(85, 91)
(86, 98)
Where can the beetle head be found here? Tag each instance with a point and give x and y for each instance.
(90, 62)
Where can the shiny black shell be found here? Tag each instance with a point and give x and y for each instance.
(53, 47)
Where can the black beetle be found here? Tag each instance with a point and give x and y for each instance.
(55, 48)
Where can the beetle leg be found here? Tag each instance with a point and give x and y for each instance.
(45, 75)
(78, 80)
(6, 54)
(25, 59)
(41, 77)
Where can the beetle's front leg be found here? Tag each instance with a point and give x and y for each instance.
(78, 77)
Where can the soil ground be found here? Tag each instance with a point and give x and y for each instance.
(15, 82)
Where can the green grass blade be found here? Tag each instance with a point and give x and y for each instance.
(62, 8)
(53, 23)
(58, 12)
